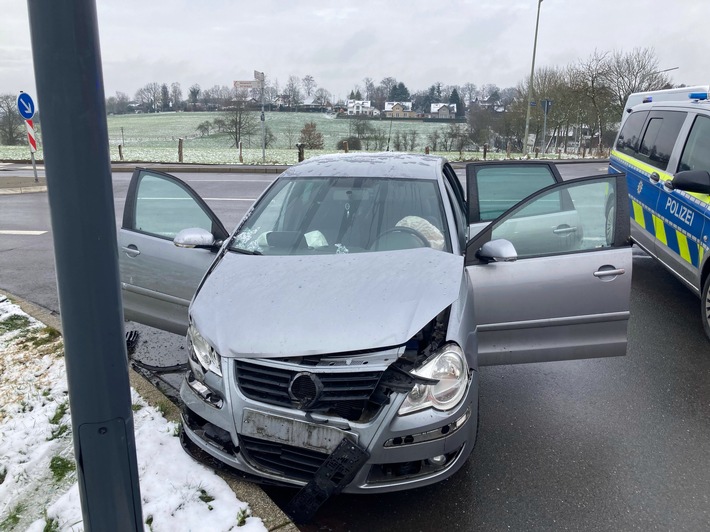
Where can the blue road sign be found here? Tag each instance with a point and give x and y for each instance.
(26, 106)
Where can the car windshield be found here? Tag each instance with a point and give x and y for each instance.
(329, 215)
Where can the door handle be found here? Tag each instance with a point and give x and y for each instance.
(564, 230)
(131, 250)
(609, 273)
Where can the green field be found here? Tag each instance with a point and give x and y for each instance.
(154, 138)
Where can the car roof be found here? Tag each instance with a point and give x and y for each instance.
(689, 105)
(385, 164)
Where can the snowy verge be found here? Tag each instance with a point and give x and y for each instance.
(38, 481)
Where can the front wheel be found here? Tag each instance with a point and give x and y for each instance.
(705, 306)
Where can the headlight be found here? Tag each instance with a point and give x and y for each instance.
(449, 367)
(208, 358)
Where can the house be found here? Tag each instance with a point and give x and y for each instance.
(361, 107)
(442, 110)
(399, 110)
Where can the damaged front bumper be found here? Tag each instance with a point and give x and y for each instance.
(259, 432)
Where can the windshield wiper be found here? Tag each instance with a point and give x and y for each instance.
(246, 251)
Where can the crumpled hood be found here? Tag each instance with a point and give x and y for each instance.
(276, 306)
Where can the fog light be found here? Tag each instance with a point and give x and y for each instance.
(438, 460)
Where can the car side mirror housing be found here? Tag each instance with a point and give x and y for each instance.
(194, 237)
(499, 250)
(692, 181)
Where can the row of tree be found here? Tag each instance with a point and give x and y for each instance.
(588, 98)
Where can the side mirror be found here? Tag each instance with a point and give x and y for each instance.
(194, 237)
(692, 181)
(499, 250)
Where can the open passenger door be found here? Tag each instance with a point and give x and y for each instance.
(551, 277)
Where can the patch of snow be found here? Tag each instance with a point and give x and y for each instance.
(177, 493)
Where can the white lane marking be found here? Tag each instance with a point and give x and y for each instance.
(29, 233)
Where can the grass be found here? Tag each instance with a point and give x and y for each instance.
(3, 474)
(61, 467)
(58, 432)
(14, 322)
(59, 413)
(136, 407)
(13, 517)
(205, 497)
(242, 516)
(154, 138)
(50, 524)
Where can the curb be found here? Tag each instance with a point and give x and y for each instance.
(23, 190)
(261, 505)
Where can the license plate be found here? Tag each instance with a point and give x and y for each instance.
(321, 438)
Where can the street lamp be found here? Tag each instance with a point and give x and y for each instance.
(532, 72)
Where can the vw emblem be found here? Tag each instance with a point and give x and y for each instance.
(305, 388)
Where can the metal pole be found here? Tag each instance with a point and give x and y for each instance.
(34, 165)
(546, 106)
(263, 124)
(67, 64)
(530, 84)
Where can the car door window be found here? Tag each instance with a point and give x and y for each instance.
(568, 219)
(502, 186)
(163, 208)
(630, 134)
(696, 153)
(660, 137)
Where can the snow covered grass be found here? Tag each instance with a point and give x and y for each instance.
(38, 479)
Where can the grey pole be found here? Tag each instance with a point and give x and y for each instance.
(67, 63)
(545, 107)
(532, 72)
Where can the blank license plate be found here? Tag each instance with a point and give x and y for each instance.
(321, 438)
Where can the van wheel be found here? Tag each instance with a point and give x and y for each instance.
(705, 306)
(610, 220)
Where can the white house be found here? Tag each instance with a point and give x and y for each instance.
(361, 107)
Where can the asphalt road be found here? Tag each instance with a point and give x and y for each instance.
(611, 444)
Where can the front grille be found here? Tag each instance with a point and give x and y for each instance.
(291, 462)
(343, 394)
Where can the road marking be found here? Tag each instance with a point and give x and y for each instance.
(28, 233)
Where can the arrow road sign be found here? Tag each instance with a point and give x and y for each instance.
(246, 85)
(26, 106)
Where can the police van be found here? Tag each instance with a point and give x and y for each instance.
(664, 149)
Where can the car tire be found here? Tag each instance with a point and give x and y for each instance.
(610, 215)
(705, 306)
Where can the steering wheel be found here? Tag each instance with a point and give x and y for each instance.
(405, 231)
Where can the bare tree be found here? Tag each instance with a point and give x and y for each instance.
(468, 92)
(309, 85)
(194, 92)
(176, 95)
(369, 85)
(149, 96)
(321, 97)
(591, 75)
(239, 122)
(633, 71)
(293, 91)
(311, 138)
(118, 104)
(10, 120)
(164, 97)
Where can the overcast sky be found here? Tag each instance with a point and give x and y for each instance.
(418, 42)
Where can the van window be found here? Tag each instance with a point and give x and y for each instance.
(660, 137)
(630, 135)
(696, 153)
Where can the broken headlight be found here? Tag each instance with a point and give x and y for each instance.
(203, 352)
(448, 366)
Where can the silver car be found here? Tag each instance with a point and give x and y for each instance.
(343, 323)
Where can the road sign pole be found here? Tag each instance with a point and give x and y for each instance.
(67, 65)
